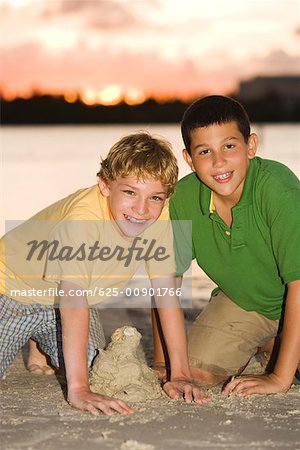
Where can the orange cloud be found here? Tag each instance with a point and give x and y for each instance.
(31, 67)
(157, 47)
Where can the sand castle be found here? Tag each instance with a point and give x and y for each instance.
(121, 371)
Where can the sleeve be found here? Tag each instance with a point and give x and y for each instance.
(161, 262)
(183, 240)
(283, 215)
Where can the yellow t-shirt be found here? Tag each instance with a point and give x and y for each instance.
(75, 240)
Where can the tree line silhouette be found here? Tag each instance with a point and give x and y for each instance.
(47, 109)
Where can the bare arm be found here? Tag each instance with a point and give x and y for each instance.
(75, 332)
(160, 356)
(172, 323)
(282, 376)
(161, 364)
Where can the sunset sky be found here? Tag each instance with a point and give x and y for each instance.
(105, 50)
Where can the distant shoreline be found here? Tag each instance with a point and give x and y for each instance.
(50, 110)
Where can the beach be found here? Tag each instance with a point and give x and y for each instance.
(51, 163)
(35, 414)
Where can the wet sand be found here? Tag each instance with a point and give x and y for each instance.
(35, 415)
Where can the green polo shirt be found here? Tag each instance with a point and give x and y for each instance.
(254, 259)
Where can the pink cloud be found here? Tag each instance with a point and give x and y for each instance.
(71, 7)
(278, 62)
(104, 15)
(30, 66)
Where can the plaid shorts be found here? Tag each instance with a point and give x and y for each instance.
(20, 322)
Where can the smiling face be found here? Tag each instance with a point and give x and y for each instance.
(221, 158)
(134, 204)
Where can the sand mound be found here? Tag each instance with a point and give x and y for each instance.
(121, 371)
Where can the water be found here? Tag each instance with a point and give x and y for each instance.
(43, 164)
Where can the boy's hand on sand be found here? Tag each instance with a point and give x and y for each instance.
(186, 389)
(255, 384)
(86, 400)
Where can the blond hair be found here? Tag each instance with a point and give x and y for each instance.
(143, 156)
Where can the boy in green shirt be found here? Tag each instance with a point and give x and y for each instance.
(245, 214)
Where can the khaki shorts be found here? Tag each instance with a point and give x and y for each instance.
(224, 336)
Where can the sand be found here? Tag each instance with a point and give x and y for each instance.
(35, 415)
(121, 370)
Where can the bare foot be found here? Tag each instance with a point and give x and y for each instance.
(207, 378)
(263, 358)
(264, 353)
(160, 371)
(37, 361)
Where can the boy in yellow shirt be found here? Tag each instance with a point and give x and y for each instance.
(87, 247)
